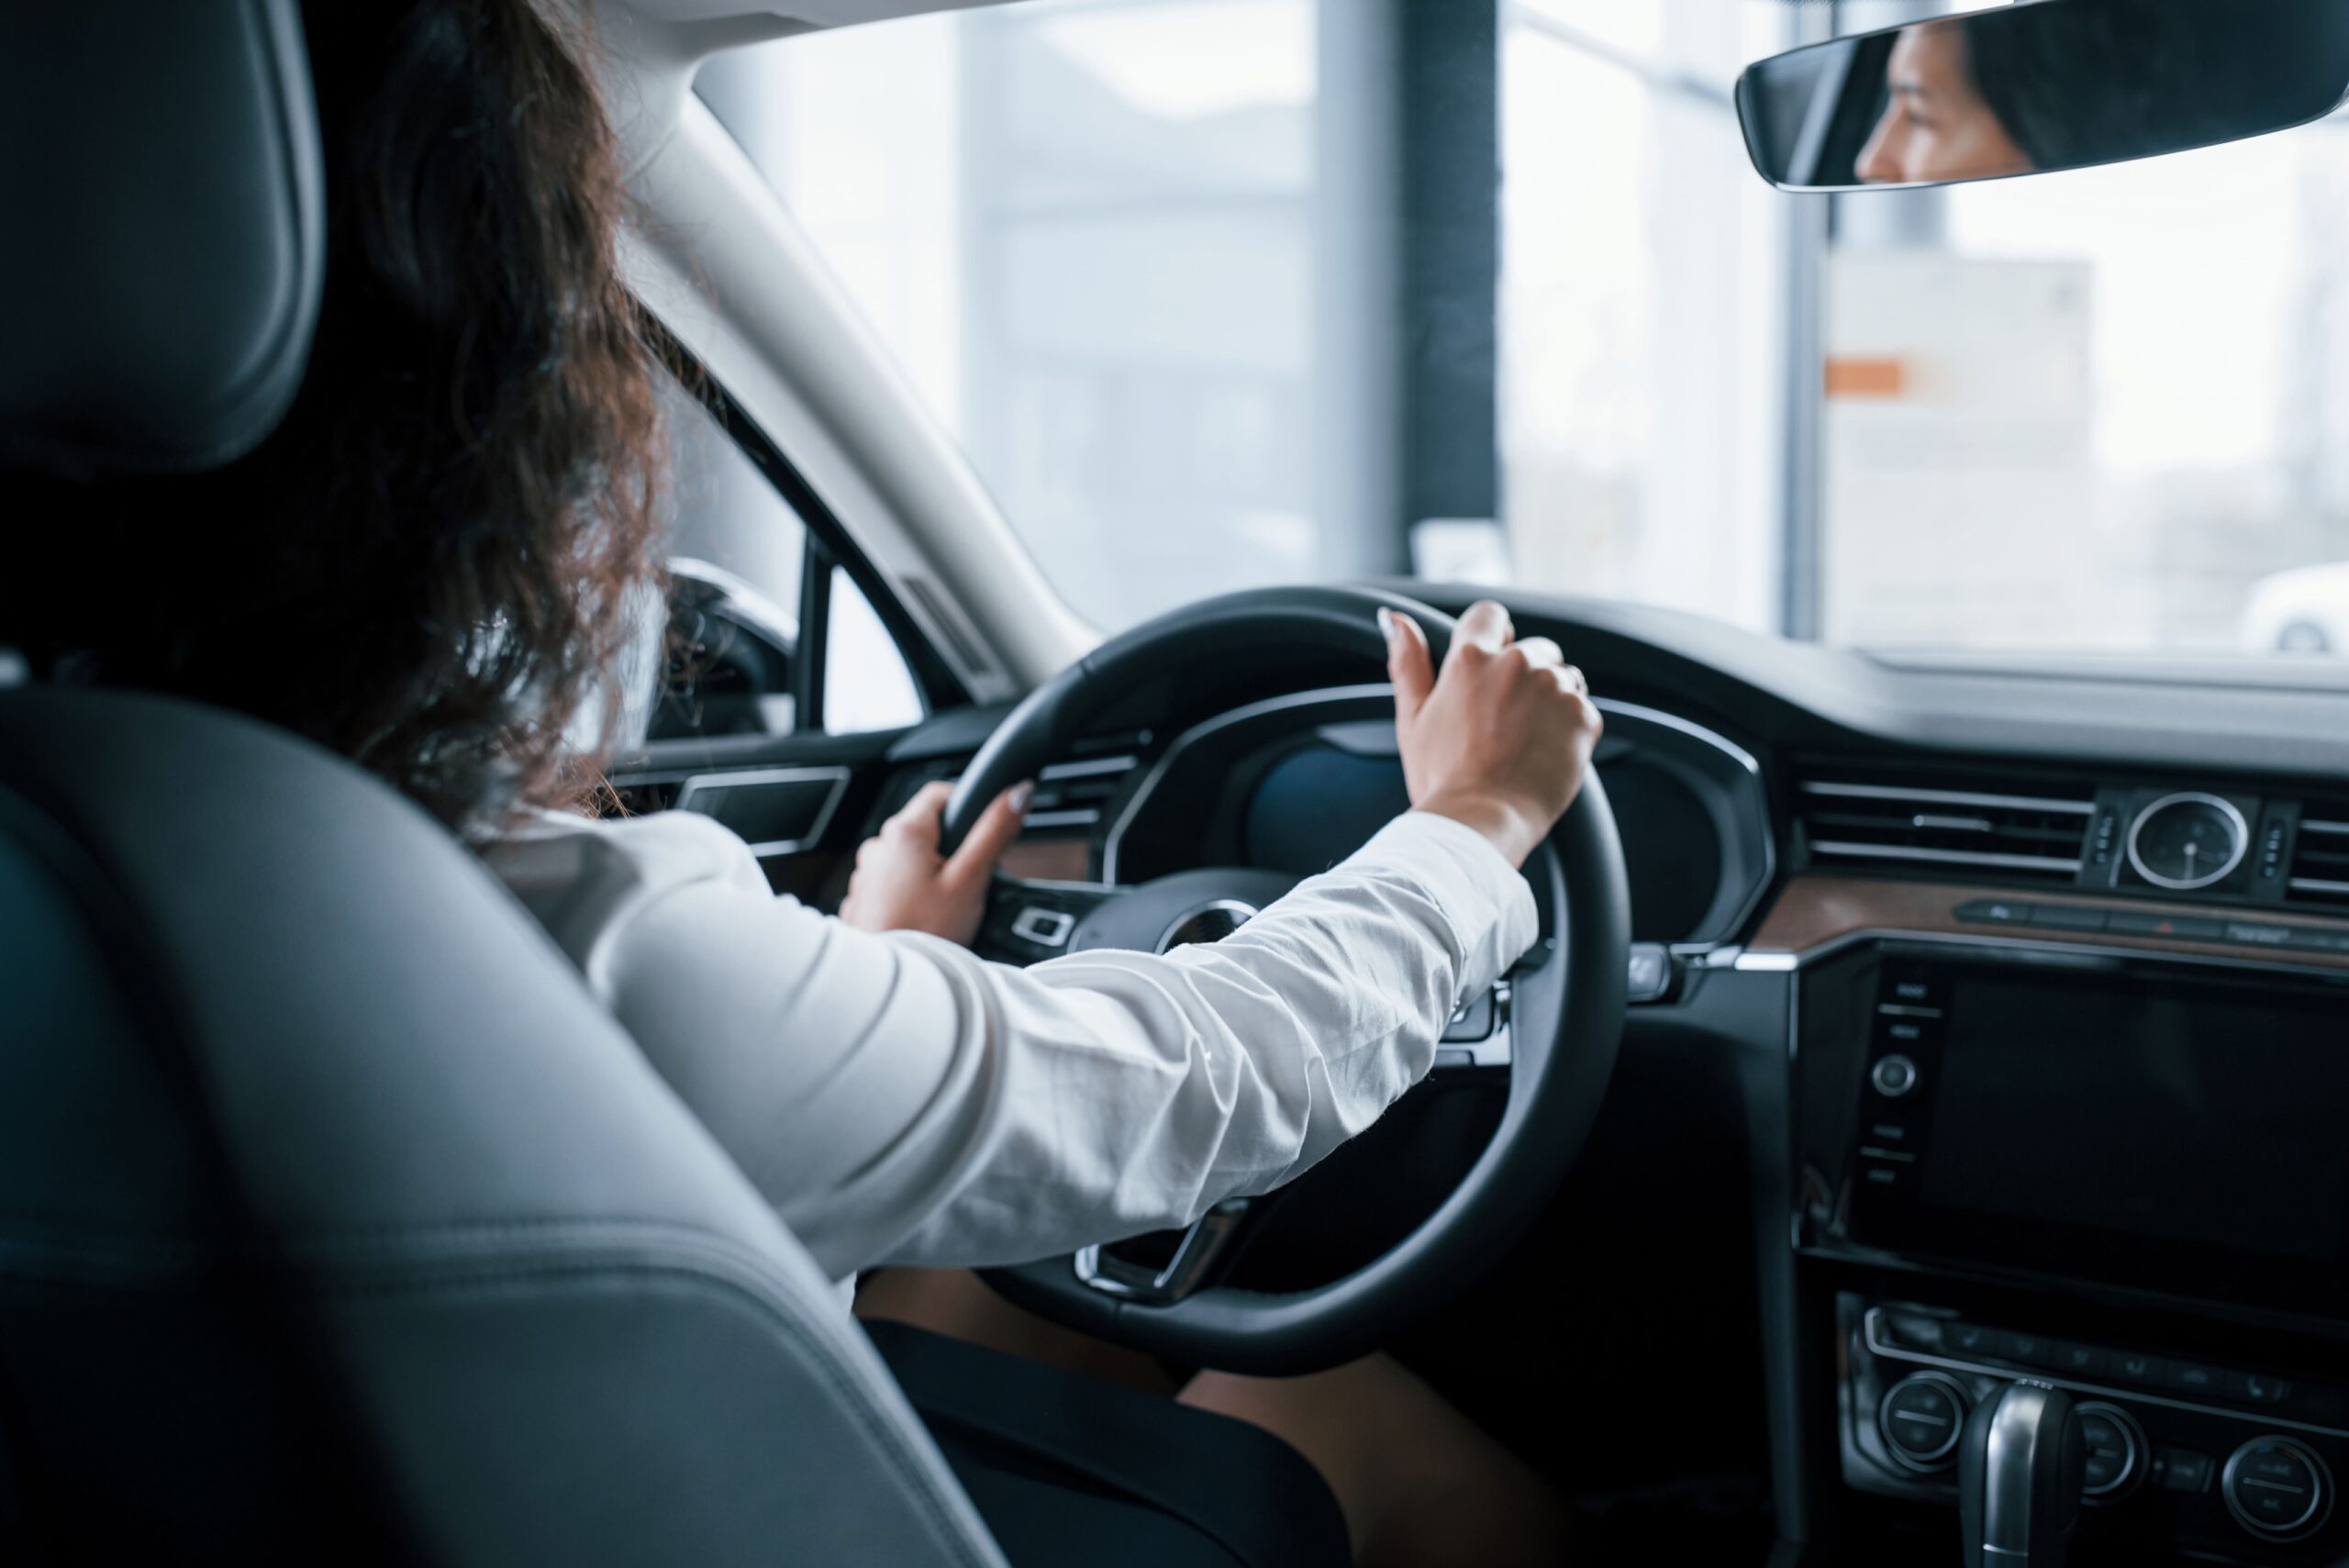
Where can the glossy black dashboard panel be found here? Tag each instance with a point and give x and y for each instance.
(2078, 1119)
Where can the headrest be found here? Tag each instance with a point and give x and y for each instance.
(162, 230)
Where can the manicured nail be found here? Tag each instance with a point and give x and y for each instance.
(1386, 624)
(1019, 794)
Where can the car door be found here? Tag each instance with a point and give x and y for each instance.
(783, 692)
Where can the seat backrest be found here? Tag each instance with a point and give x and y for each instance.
(337, 1221)
(333, 1208)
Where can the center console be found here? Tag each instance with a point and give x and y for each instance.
(2121, 1177)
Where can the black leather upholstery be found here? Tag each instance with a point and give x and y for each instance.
(336, 1220)
(163, 244)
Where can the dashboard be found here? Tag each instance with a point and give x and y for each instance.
(2020, 1002)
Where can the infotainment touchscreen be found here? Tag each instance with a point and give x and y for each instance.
(2201, 1116)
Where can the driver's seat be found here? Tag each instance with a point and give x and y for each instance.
(337, 1222)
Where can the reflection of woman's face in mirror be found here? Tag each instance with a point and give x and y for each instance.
(1937, 126)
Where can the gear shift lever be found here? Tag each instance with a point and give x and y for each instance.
(2019, 1469)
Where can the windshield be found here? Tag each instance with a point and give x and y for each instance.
(1218, 293)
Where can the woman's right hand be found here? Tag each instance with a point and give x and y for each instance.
(1500, 739)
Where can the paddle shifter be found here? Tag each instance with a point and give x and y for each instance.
(2019, 1467)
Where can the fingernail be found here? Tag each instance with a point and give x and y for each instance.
(1386, 623)
(1019, 794)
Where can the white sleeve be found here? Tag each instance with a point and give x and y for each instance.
(899, 1100)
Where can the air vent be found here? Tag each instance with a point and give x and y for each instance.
(2320, 873)
(2035, 832)
(1072, 795)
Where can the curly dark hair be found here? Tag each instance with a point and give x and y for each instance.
(433, 565)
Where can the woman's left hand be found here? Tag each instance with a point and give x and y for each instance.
(903, 884)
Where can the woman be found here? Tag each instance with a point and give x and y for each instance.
(432, 566)
(1936, 123)
(2043, 87)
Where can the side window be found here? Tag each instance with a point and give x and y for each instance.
(765, 634)
(866, 684)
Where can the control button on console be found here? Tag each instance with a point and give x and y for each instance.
(1915, 994)
(2258, 934)
(2257, 1387)
(2067, 917)
(2176, 928)
(1893, 1075)
(2182, 1470)
(2030, 1348)
(2080, 1360)
(1972, 1339)
(1995, 912)
(1914, 1331)
(2275, 1487)
(1920, 1419)
(2116, 1451)
(2135, 1366)
(2309, 940)
(2193, 1377)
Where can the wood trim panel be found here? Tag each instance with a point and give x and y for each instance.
(1813, 911)
(1050, 860)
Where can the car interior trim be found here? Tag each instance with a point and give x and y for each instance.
(1816, 915)
(1878, 1344)
(1943, 796)
(2056, 952)
(702, 784)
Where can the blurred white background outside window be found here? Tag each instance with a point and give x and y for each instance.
(2084, 411)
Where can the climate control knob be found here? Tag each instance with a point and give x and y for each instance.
(1921, 1419)
(2116, 1452)
(2276, 1488)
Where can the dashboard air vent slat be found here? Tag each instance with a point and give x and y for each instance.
(1071, 794)
(2319, 872)
(1993, 831)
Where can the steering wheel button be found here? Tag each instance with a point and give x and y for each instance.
(1045, 928)
(1471, 1022)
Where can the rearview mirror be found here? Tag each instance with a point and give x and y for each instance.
(2039, 86)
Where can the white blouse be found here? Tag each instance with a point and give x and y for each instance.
(900, 1100)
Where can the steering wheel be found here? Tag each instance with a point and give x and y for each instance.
(1565, 1014)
